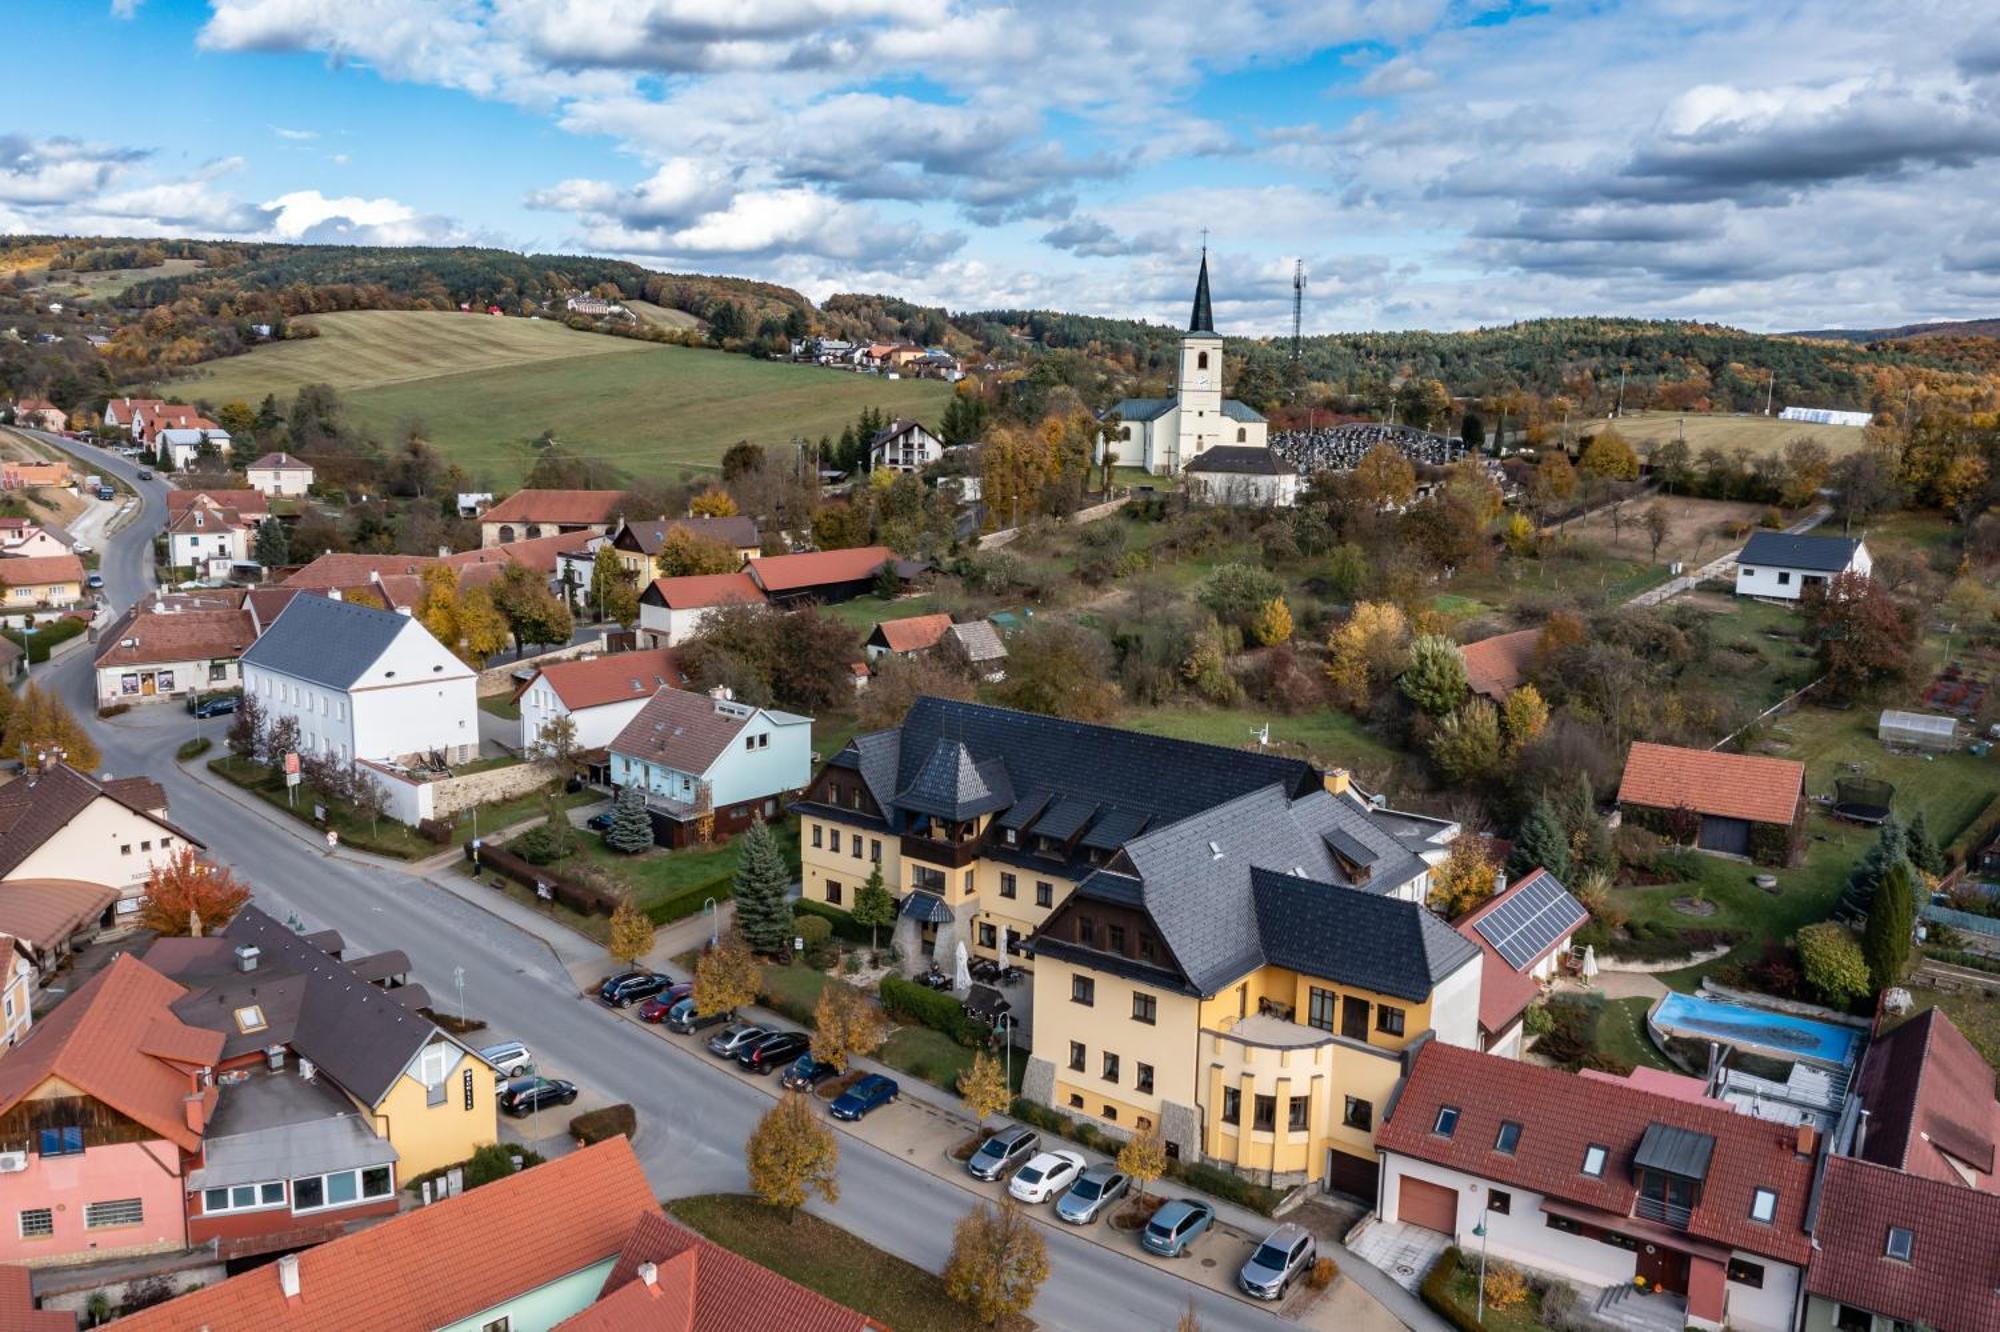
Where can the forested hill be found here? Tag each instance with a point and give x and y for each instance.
(1947, 328)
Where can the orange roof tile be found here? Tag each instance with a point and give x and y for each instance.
(1730, 786)
(697, 591)
(618, 678)
(141, 638)
(432, 1267)
(1493, 666)
(581, 507)
(820, 568)
(245, 502)
(915, 633)
(23, 570)
(17, 1306)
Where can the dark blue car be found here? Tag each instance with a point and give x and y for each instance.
(868, 1094)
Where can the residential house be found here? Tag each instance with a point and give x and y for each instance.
(183, 446)
(1524, 931)
(542, 513)
(638, 544)
(17, 978)
(1731, 804)
(68, 841)
(599, 695)
(209, 541)
(20, 537)
(1169, 893)
(904, 446)
(153, 417)
(910, 636)
(364, 684)
(826, 575)
(99, 1108)
(1930, 1098)
(397, 580)
(280, 474)
(15, 475)
(264, 987)
(1242, 476)
(250, 506)
(173, 645)
(125, 413)
(472, 503)
(1495, 667)
(671, 609)
(41, 582)
(576, 1245)
(40, 414)
(592, 307)
(1782, 566)
(17, 1305)
(1603, 1181)
(703, 756)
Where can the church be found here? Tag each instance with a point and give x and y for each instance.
(1164, 435)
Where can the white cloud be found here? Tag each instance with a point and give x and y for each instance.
(294, 135)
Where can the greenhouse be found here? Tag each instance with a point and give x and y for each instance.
(1917, 730)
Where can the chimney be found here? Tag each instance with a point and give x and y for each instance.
(443, 551)
(194, 1108)
(1808, 1138)
(1500, 881)
(246, 957)
(650, 1274)
(288, 1275)
(722, 693)
(1337, 781)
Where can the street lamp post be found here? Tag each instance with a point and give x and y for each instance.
(708, 905)
(1480, 1230)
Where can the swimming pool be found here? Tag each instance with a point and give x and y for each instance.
(1757, 1029)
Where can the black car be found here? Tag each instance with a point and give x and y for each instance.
(630, 986)
(145, 474)
(600, 821)
(807, 1073)
(774, 1051)
(524, 1096)
(221, 705)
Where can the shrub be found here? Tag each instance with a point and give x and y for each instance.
(939, 1012)
(436, 831)
(114, 710)
(1562, 1309)
(1323, 1274)
(1834, 964)
(1506, 1288)
(493, 1161)
(843, 925)
(1436, 1292)
(815, 930)
(594, 1126)
(1537, 1021)
(194, 749)
(1226, 1185)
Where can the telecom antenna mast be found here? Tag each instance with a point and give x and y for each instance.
(1298, 302)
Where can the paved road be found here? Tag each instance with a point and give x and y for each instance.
(693, 1117)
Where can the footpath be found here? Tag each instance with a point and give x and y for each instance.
(1718, 568)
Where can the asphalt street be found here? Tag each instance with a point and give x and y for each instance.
(693, 1116)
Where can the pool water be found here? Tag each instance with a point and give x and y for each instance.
(1757, 1028)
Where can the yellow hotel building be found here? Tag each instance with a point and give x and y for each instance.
(1227, 945)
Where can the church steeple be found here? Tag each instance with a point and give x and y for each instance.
(1203, 319)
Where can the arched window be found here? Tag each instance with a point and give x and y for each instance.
(1242, 435)
(1201, 360)
(506, 533)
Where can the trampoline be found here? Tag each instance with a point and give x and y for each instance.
(1862, 799)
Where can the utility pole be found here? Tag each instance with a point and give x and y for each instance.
(1298, 302)
(1770, 387)
(1619, 410)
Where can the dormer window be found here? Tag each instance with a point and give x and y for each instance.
(1764, 1205)
(1447, 1121)
(1900, 1242)
(1507, 1139)
(1594, 1157)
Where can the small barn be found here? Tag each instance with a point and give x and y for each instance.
(1917, 730)
(1731, 804)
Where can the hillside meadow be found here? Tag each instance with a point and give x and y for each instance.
(1759, 434)
(486, 388)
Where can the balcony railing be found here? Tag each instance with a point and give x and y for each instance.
(956, 855)
(1662, 1211)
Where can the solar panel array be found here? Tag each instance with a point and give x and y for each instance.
(1528, 922)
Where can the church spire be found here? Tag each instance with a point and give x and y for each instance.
(1203, 319)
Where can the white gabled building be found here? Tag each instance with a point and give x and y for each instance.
(184, 445)
(1782, 566)
(598, 694)
(904, 446)
(363, 684)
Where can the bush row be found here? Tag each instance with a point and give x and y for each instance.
(1977, 834)
(578, 897)
(844, 926)
(51, 632)
(1958, 957)
(933, 1009)
(193, 749)
(690, 900)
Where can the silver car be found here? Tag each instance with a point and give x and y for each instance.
(1002, 1152)
(735, 1038)
(1094, 1190)
(1286, 1254)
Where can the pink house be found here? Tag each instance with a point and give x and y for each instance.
(101, 1108)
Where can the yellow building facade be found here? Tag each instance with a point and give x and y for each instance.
(441, 1110)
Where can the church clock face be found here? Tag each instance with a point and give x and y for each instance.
(1201, 382)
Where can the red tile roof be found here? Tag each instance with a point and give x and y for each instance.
(140, 638)
(118, 1041)
(820, 568)
(1930, 1094)
(618, 678)
(583, 508)
(434, 1266)
(1493, 666)
(1504, 992)
(916, 633)
(1563, 1114)
(538, 553)
(699, 591)
(17, 1305)
(281, 462)
(246, 502)
(343, 570)
(681, 730)
(44, 912)
(1733, 786)
(1952, 1278)
(34, 570)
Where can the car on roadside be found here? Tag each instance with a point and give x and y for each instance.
(656, 1008)
(1045, 1176)
(683, 1018)
(1175, 1226)
(510, 1059)
(1095, 1189)
(806, 1073)
(524, 1096)
(864, 1097)
(216, 705)
(735, 1038)
(599, 822)
(145, 474)
(93, 580)
(775, 1051)
(1003, 1151)
(628, 987)
(1286, 1254)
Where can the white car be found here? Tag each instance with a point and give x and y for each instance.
(1045, 1176)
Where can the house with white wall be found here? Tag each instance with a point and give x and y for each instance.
(364, 684)
(185, 444)
(671, 610)
(60, 826)
(904, 446)
(17, 978)
(696, 755)
(1525, 932)
(600, 695)
(280, 474)
(207, 540)
(174, 644)
(1781, 565)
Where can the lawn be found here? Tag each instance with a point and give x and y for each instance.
(487, 387)
(1327, 736)
(823, 1257)
(500, 705)
(1975, 1015)
(1460, 1290)
(1621, 1031)
(1759, 434)
(660, 876)
(1950, 788)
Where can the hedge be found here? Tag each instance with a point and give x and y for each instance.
(612, 1121)
(844, 925)
(578, 897)
(933, 1009)
(1977, 834)
(690, 900)
(49, 633)
(1435, 1292)
(193, 749)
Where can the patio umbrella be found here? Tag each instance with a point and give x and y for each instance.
(962, 978)
(1589, 963)
(1005, 934)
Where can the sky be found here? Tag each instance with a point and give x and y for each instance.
(1434, 163)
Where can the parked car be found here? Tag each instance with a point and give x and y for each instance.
(524, 1096)
(683, 1019)
(1003, 1151)
(1177, 1225)
(106, 493)
(599, 822)
(510, 1059)
(1286, 1254)
(661, 1004)
(774, 1051)
(1045, 1176)
(93, 580)
(869, 1094)
(1094, 1190)
(217, 705)
(807, 1073)
(735, 1038)
(629, 986)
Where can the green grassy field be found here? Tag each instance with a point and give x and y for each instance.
(1759, 434)
(1327, 735)
(662, 316)
(486, 388)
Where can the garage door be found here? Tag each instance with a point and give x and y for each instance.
(1353, 1175)
(1729, 836)
(1432, 1206)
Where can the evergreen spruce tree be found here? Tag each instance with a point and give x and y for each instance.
(1540, 841)
(1923, 848)
(763, 912)
(631, 830)
(1892, 916)
(1891, 845)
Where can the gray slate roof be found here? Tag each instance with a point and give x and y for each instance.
(1783, 550)
(277, 1125)
(1355, 938)
(1240, 411)
(324, 641)
(979, 638)
(1242, 460)
(952, 785)
(1143, 409)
